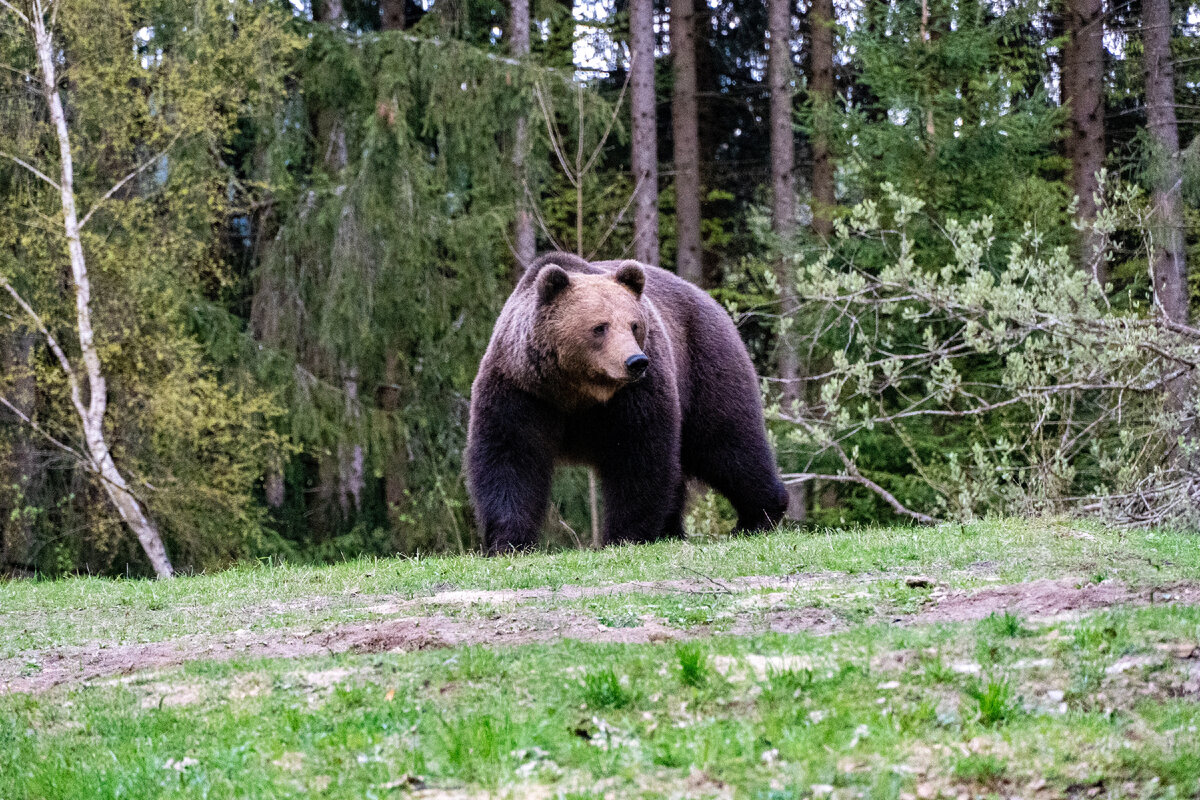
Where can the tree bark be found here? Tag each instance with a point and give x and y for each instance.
(1083, 92)
(783, 207)
(22, 472)
(821, 88)
(1169, 267)
(392, 15)
(685, 123)
(395, 479)
(524, 235)
(92, 415)
(351, 458)
(328, 10)
(783, 178)
(644, 156)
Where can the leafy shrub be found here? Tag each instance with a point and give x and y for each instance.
(954, 377)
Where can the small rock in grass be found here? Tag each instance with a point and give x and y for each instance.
(821, 790)
(1185, 651)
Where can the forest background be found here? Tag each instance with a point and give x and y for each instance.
(252, 253)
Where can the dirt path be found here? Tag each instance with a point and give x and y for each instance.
(1042, 600)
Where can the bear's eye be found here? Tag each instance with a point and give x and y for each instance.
(600, 329)
(636, 328)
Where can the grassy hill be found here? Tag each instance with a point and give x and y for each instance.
(1039, 659)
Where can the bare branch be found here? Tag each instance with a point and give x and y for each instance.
(20, 15)
(63, 361)
(117, 186)
(66, 448)
(803, 477)
(612, 121)
(616, 220)
(31, 168)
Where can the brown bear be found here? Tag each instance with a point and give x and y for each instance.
(631, 370)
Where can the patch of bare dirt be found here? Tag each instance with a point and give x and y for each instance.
(35, 671)
(1045, 599)
(818, 621)
(40, 670)
(702, 585)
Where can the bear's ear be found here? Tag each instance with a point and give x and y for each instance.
(631, 275)
(550, 281)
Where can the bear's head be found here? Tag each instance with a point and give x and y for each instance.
(595, 327)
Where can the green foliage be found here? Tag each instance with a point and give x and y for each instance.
(389, 270)
(194, 443)
(999, 378)
(303, 285)
(961, 119)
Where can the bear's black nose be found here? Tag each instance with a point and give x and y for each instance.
(637, 365)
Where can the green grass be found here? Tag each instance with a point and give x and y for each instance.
(693, 665)
(1007, 705)
(63, 612)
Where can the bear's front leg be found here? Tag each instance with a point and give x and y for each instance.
(510, 462)
(640, 469)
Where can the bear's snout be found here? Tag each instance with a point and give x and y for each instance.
(637, 365)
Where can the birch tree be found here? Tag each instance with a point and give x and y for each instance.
(84, 373)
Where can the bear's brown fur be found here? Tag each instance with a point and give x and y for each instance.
(631, 370)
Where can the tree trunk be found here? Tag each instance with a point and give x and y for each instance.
(395, 479)
(524, 235)
(23, 473)
(930, 127)
(783, 207)
(351, 459)
(1169, 267)
(644, 145)
(783, 178)
(347, 474)
(1083, 92)
(92, 415)
(686, 127)
(821, 88)
(328, 10)
(392, 16)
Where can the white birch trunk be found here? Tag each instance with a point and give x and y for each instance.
(91, 415)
